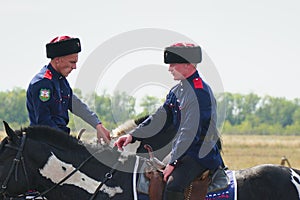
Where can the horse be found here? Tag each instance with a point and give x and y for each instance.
(60, 166)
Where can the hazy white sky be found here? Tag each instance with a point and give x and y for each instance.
(254, 45)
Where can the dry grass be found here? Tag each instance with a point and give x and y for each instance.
(243, 151)
(240, 151)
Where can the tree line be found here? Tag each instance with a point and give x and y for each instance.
(238, 113)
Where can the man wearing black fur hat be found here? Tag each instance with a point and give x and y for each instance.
(190, 106)
(49, 95)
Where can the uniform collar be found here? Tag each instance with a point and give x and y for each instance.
(190, 78)
(55, 74)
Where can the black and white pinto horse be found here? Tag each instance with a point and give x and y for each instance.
(60, 167)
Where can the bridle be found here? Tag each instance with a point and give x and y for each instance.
(19, 157)
(15, 164)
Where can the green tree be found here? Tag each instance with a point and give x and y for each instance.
(276, 111)
(149, 104)
(236, 109)
(244, 114)
(122, 107)
(13, 107)
(228, 102)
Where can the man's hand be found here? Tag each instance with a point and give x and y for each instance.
(123, 141)
(167, 172)
(103, 133)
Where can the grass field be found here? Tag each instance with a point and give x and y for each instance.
(243, 151)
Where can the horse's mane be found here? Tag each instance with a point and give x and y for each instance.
(63, 141)
(51, 136)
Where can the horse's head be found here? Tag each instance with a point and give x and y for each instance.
(39, 157)
(13, 180)
(23, 153)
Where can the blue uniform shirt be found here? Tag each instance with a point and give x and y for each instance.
(193, 114)
(49, 97)
(197, 134)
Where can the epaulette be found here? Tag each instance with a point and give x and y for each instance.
(48, 74)
(198, 83)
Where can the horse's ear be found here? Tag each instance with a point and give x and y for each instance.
(10, 132)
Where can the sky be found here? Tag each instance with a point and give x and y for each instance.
(253, 45)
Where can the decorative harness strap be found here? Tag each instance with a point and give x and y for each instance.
(108, 176)
(15, 164)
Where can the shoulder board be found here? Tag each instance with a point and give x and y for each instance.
(48, 74)
(198, 84)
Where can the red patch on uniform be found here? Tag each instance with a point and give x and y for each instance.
(48, 74)
(198, 83)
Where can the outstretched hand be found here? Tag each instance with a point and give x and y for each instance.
(123, 141)
(103, 133)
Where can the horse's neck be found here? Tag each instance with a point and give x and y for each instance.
(90, 172)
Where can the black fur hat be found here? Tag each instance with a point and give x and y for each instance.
(66, 46)
(182, 54)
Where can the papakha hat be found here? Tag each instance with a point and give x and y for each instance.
(182, 54)
(62, 46)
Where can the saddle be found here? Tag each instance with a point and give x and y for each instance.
(151, 182)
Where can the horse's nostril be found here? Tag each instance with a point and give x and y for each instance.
(63, 168)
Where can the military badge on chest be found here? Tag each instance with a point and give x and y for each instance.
(44, 94)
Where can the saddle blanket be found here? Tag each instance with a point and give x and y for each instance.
(229, 193)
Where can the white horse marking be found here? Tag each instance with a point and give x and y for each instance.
(295, 182)
(56, 170)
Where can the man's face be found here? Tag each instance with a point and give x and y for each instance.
(178, 70)
(65, 64)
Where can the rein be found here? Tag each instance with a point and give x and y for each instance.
(19, 157)
(67, 177)
(108, 176)
(15, 164)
